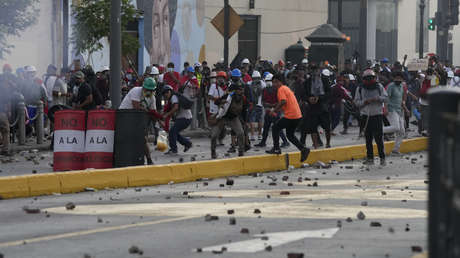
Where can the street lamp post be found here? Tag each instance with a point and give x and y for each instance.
(115, 53)
(422, 29)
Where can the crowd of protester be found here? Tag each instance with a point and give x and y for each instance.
(246, 102)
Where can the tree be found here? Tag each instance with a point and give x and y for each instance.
(15, 16)
(92, 23)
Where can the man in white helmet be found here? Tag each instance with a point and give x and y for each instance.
(256, 87)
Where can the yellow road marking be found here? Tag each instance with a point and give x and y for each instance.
(295, 209)
(91, 231)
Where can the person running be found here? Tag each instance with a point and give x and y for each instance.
(369, 98)
(394, 110)
(292, 116)
(339, 95)
(183, 119)
(216, 92)
(270, 99)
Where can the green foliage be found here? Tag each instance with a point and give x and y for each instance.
(15, 16)
(92, 23)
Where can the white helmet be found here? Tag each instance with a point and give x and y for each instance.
(30, 68)
(155, 71)
(256, 74)
(245, 61)
(450, 74)
(105, 68)
(304, 61)
(197, 64)
(269, 77)
(326, 72)
(352, 77)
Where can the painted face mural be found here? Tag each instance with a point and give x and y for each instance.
(161, 40)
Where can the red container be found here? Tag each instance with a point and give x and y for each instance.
(69, 140)
(99, 139)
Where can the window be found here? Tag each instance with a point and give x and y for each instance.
(248, 38)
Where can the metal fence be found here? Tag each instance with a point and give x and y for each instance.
(444, 173)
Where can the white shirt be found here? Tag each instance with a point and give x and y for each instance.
(262, 85)
(455, 82)
(182, 113)
(48, 83)
(214, 92)
(135, 94)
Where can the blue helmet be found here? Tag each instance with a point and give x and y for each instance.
(236, 73)
(265, 74)
(385, 60)
(190, 69)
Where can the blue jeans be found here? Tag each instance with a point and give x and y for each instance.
(174, 133)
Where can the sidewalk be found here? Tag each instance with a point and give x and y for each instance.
(36, 159)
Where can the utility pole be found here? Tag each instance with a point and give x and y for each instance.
(442, 33)
(115, 53)
(339, 15)
(422, 29)
(226, 31)
(65, 32)
(363, 33)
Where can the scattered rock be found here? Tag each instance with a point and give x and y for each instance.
(416, 249)
(244, 231)
(388, 178)
(407, 228)
(285, 193)
(265, 238)
(268, 196)
(364, 203)
(192, 159)
(339, 223)
(34, 171)
(320, 164)
(315, 184)
(229, 182)
(70, 206)
(209, 217)
(349, 220)
(99, 220)
(285, 178)
(268, 248)
(290, 184)
(229, 212)
(135, 250)
(185, 193)
(272, 183)
(348, 167)
(384, 193)
(295, 255)
(205, 183)
(138, 189)
(257, 211)
(361, 215)
(376, 224)
(181, 160)
(307, 179)
(199, 250)
(84, 256)
(299, 180)
(222, 185)
(30, 210)
(232, 221)
(403, 200)
(391, 230)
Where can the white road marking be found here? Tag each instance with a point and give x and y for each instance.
(274, 240)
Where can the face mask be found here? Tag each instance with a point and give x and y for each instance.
(170, 69)
(269, 84)
(256, 80)
(147, 94)
(369, 82)
(213, 80)
(235, 80)
(129, 77)
(397, 82)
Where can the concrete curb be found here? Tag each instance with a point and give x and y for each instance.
(77, 181)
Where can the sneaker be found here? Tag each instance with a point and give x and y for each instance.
(248, 147)
(285, 145)
(368, 162)
(213, 155)
(187, 147)
(383, 162)
(304, 154)
(260, 145)
(149, 161)
(259, 137)
(240, 153)
(171, 152)
(395, 153)
(273, 151)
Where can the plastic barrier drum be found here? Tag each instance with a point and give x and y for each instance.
(69, 140)
(99, 139)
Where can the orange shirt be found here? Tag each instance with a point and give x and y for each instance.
(291, 108)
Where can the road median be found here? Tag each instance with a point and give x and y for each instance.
(78, 181)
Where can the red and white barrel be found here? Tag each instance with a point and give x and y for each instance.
(69, 140)
(100, 134)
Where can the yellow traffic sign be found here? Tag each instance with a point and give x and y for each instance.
(235, 22)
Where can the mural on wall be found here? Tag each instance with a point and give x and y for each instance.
(174, 30)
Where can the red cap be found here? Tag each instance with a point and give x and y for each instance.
(129, 70)
(280, 63)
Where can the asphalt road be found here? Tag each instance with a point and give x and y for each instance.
(282, 214)
(37, 162)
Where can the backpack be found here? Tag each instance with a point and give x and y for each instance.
(184, 102)
(97, 96)
(236, 107)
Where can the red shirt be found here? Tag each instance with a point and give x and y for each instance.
(168, 80)
(247, 78)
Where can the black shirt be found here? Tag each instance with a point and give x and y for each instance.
(84, 90)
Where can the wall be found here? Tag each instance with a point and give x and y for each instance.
(276, 16)
(33, 46)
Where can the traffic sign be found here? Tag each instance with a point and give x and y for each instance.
(235, 22)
